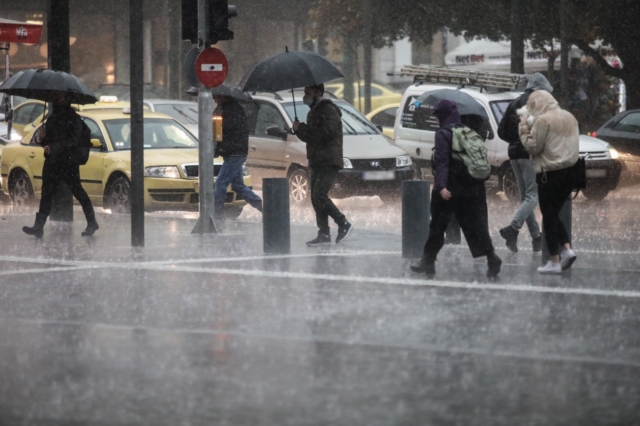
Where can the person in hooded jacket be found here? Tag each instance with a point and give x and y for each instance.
(234, 149)
(453, 197)
(551, 136)
(59, 136)
(323, 135)
(522, 169)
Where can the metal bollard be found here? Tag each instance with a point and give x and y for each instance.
(416, 208)
(276, 222)
(565, 218)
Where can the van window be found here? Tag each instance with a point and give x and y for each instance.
(417, 118)
(499, 108)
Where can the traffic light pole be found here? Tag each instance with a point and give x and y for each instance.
(206, 222)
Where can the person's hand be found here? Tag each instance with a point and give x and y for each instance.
(296, 124)
(445, 194)
(47, 150)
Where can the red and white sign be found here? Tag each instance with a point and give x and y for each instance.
(19, 32)
(211, 67)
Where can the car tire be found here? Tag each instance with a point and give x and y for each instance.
(595, 194)
(21, 190)
(299, 187)
(118, 196)
(510, 185)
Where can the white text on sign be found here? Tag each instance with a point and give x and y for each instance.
(211, 67)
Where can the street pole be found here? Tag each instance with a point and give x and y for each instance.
(368, 53)
(517, 38)
(59, 60)
(564, 55)
(137, 122)
(206, 222)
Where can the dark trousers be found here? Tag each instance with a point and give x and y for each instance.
(55, 172)
(322, 179)
(554, 188)
(471, 214)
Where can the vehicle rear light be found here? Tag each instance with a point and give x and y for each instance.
(594, 134)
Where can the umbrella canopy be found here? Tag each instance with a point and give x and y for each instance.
(223, 90)
(45, 84)
(289, 70)
(19, 32)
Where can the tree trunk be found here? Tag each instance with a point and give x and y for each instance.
(551, 68)
(632, 83)
(348, 63)
(368, 53)
(517, 38)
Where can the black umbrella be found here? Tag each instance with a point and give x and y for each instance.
(289, 70)
(472, 113)
(223, 90)
(44, 84)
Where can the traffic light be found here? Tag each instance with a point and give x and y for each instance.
(218, 17)
(219, 14)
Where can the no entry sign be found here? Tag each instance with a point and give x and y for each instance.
(211, 67)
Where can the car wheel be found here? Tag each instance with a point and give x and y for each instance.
(232, 212)
(118, 196)
(595, 194)
(299, 186)
(510, 186)
(21, 190)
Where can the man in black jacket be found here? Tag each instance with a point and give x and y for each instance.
(59, 137)
(233, 149)
(522, 168)
(323, 135)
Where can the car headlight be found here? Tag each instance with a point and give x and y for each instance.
(613, 152)
(162, 172)
(346, 163)
(403, 161)
(245, 171)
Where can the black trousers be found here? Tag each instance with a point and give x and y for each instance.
(322, 180)
(55, 172)
(554, 188)
(471, 214)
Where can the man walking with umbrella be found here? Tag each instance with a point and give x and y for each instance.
(59, 137)
(234, 149)
(323, 135)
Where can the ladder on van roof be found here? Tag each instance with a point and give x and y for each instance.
(430, 73)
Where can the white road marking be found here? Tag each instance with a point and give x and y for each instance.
(45, 270)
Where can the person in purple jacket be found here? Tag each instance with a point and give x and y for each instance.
(450, 198)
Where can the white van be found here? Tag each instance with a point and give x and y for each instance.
(415, 133)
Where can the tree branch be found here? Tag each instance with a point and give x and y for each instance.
(601, 61)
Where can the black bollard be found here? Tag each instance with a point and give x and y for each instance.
(276, 223)
(565, 218)
(416, 207)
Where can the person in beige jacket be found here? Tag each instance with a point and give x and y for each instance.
(550, 135)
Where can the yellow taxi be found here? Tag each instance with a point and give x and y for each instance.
(384, 118)
(380, 95)
(170, 161)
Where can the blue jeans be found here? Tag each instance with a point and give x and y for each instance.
(528, 188)
(231, 174)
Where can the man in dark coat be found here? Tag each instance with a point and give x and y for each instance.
(323, 135)
(522, 168)
(453, 197)
(233, 149)
(59, 137)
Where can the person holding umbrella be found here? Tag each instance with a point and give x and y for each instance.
(323, 135)
(455, 196)
(59, 136)
(234, 149)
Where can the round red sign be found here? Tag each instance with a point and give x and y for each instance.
(211, 67)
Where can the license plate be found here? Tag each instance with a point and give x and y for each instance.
(596, 173)
(382, 175)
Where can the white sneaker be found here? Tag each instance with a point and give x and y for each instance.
(550, 268)
(567, 258)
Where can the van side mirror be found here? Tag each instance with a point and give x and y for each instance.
(379, 127)
(277, 132)
(490, 134)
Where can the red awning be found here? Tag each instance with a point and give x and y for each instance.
(19, 32)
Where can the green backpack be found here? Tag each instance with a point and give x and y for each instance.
(467, 147)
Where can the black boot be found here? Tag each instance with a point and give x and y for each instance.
(494, 263)
(37, 230)
(537, 244)
(424, 266)
(510, 234)
(92, 226)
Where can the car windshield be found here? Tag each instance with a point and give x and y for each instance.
(184, 113)
(353, 123)
(499, 108)
(159, 133)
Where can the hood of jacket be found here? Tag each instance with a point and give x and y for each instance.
(539, 82)
(541, 102)
(447, 113)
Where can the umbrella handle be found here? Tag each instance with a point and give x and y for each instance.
(295, 111)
